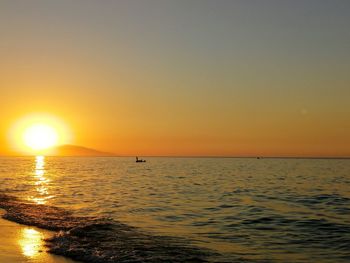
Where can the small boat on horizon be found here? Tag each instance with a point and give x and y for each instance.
(140, 160)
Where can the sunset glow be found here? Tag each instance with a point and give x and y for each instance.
(40, 136)
(175, 131)
(180, 78)
(35, 133)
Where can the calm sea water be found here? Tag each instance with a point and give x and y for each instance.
(247, 210)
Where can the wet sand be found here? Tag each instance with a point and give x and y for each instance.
(25, 244)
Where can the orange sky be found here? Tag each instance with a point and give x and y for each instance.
(162, 78)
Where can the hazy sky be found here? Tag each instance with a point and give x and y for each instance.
(182, 77)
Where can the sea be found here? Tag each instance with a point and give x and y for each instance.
(112, 209)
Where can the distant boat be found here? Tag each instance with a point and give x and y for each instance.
(140, 160)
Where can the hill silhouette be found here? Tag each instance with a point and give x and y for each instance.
(75, 150)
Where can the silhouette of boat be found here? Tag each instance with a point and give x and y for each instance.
(140, 160)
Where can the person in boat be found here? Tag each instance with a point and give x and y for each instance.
(139, 160)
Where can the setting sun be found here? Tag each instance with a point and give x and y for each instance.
(40, 136)
(175, 131)
(37, 133)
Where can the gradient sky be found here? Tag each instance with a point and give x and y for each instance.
(182, 77)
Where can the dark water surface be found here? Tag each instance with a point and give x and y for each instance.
(185, 209)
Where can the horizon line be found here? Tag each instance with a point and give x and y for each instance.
(188, 156)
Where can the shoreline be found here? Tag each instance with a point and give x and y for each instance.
(89, 239)
(21, 243)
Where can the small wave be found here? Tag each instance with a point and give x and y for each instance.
(328, 199)
(98, 240)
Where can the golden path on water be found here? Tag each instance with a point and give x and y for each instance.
(31, 242)
(41, 182)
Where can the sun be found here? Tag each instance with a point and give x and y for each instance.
(40, 136)
(38, 133)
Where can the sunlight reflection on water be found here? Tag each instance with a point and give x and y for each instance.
(41, 182)
(31, 242)
(256, 209)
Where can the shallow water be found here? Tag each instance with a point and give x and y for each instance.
(248, 210)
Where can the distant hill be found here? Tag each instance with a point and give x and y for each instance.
(74, 150)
